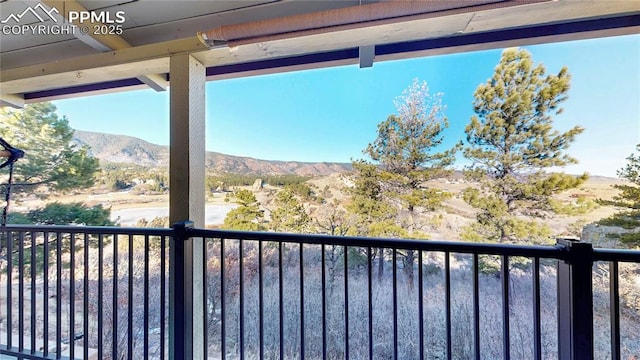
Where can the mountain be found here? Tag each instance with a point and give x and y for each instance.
(127, 149)
(123, 149)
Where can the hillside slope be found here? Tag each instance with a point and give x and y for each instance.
(127, 149)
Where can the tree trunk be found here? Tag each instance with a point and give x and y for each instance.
(380, 264)
(408, 268)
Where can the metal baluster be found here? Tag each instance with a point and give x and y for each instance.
(281, 301)
(223, 313)
(45, 293)
(130, 300)
(72, 291)
(614, 310)
(395, 303)
(447, 296)
(420, 307)
(346, 302)
(504, 276)
(85, 310)
(145, 320)
(370, 299)
(324, 302)
(100, 294)
(163, 297)
(241, 295)
(33, 331)
(302, 353)
(537, 329)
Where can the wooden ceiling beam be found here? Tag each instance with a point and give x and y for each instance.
(14, 101)
(102, 42)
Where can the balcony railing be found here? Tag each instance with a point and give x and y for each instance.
(128, 293)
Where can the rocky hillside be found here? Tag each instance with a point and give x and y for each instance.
(128, 149)
(123, 149)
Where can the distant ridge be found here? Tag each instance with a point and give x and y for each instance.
(128, 149)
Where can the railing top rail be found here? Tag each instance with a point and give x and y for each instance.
(624, 255)
(92, 230)
(552, 252)
(410, 244)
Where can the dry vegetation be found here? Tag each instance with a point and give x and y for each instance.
(445, 224)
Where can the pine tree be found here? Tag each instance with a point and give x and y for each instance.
(247, 216)
(69, 214)
(628, 200)
(374, 216)
(408, 150)
(512, 144)
(289, 214)
(52, 161)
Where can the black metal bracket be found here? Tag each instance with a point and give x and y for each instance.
(15, 153)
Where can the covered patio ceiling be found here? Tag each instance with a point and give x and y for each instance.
(248, 37)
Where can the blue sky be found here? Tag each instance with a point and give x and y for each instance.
(331, 114)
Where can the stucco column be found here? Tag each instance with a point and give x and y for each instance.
(187, 202)
(187, 141)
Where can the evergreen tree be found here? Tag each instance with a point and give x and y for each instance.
(51, 159)
(406, 148)
(511, 142)
(289, 214)
(409, 151)
(66, 214)
(628, 200)
(374, 215)
(247, 216)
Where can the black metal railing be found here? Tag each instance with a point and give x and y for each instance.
(84, 293)
(118, 293)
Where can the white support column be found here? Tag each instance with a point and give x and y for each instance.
(187, 153)
(187, 201)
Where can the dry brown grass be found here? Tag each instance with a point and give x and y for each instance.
(445, 224)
